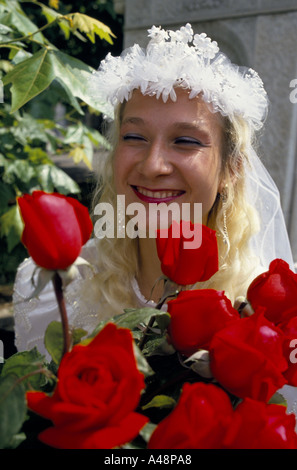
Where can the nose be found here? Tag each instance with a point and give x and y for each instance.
(156, 161)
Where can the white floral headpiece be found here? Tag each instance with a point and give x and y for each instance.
(180, 58)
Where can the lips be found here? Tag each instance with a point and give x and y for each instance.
(156, 195)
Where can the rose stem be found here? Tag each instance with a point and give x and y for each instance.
(57, 281)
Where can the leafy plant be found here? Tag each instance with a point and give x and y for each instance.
(36, 74)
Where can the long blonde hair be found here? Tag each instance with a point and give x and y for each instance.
(118, 257)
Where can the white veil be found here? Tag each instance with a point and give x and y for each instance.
(272, 240)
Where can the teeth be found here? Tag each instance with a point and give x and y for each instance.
(158, 194)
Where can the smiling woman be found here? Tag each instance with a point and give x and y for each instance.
(183, 132)
(169, 152)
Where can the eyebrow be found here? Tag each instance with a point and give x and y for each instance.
(184, 125)
(189, 126)
(133, 120)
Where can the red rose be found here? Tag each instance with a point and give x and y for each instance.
(199, 420)
(56, 228)
(184, 264)
(276, 290)
(196, 315)
(97, 392)
(246, 357)
(257, 425)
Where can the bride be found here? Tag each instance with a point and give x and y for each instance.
(183, 131)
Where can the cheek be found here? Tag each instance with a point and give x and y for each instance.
(204, 179)
(205, 182)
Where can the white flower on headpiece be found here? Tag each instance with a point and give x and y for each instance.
(157, 34)
(187, 33)
(205, 46)
(182, 35)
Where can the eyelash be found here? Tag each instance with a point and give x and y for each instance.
(133, 137)
(187, 141)
(179, 140)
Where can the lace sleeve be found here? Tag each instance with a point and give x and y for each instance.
(31, 317)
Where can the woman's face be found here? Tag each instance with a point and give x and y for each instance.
(169, 152)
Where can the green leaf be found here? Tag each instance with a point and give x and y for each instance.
(156, 345)
(11, 226)
(74, 134)
(90, 26)
(278, 399)
(78, 154)
(29, 78)
(45, 178)
(78, 334)
(37, 155)
(132, 318)
(96, 138)
(71, 98)
(4, 30)
(54, 341)
(19, 56)
(19, 170)
(27, 129)
(26, 363)
(160, 401)
(16, 440)
(7, 194)
(59, 179)
(21, 21)
(50, 177)
(13, 409)
(135, 319)
(52, 15)
(163, 320)
(142, 364)
(75, 76)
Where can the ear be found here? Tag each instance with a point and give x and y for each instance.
(230, 175)
(222, 185)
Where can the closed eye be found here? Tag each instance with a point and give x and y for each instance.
(188, 141)
(133, 137)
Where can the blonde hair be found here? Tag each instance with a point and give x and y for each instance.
(118, 257)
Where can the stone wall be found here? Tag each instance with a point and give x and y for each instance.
(261, 34)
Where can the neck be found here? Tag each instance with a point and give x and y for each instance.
(149, 269)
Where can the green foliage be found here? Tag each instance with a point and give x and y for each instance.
(54, 340)
(160, 401)
(27, 366)
(21, 372)
(36, 75)
(13, 409)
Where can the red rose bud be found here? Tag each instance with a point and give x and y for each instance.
(276, 290)
(257, 425)
(98, 389)
(199, 420)
(196, 315)
(246, 357)
(55, 228)
(182, 261)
